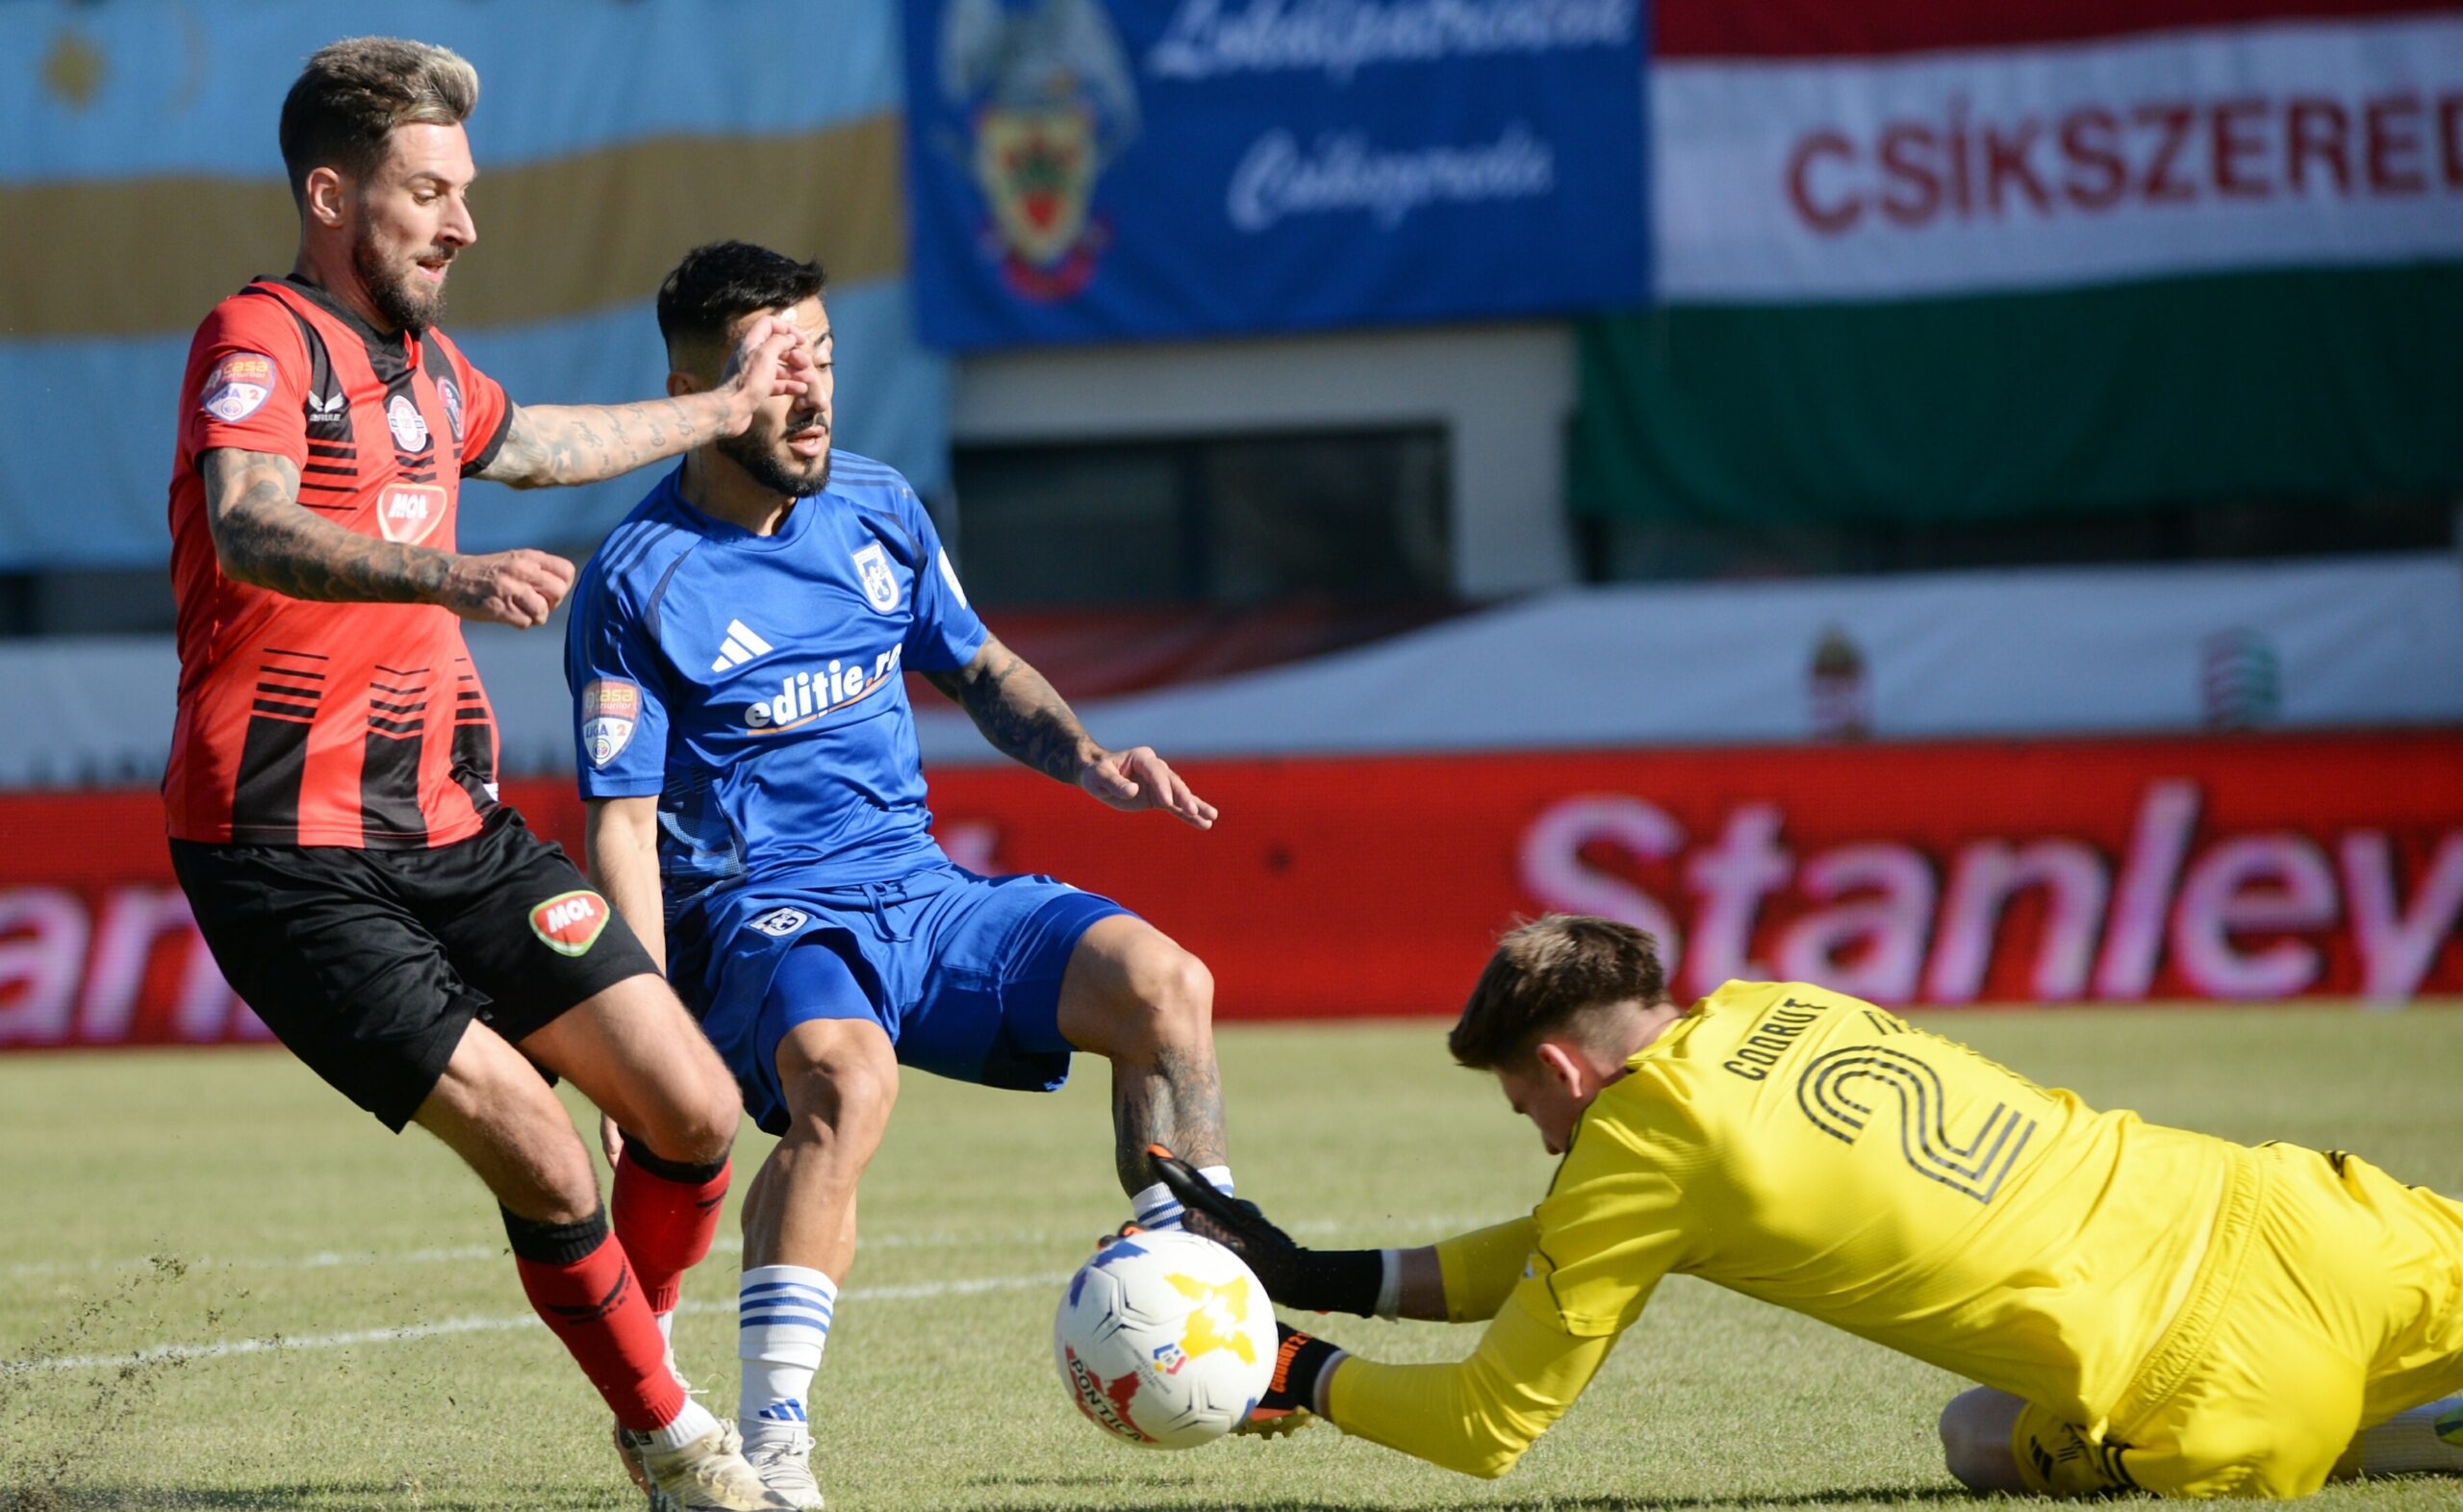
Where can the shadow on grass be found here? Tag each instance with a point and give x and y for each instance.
(323, 1496)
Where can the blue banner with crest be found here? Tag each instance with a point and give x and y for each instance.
(1088, 170)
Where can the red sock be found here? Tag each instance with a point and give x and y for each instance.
(581, 1286)
(666, 1215)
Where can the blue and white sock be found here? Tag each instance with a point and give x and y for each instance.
(2424, 1440)
(1155, 1208)
(782, 1322)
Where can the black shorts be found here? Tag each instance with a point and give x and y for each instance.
(370, 963)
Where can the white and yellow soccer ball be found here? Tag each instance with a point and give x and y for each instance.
(1164, 1339)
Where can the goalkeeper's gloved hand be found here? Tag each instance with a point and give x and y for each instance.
(1318, 1280)
(1301, 1362)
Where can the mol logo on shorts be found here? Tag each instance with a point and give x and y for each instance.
(569, 922)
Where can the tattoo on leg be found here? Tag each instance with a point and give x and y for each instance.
(1177, 1102)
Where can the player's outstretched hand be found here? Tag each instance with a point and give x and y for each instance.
(516, 587)
(1318, 1280)
(770, 360)
(1137, 778)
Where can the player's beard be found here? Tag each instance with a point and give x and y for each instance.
(392, 290)
(784, 477)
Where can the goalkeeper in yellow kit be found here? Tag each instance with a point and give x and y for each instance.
(2145, 1308)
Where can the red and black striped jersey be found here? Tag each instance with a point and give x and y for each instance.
(305, 723)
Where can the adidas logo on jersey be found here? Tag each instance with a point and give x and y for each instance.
(805, 696)
(740, 646)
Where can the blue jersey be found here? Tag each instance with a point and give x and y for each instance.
(752, 682)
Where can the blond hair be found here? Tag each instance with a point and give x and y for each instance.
(343, 110)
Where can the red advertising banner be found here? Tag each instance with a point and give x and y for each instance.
(2219, 869)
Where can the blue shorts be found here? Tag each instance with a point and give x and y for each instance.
(963, 971)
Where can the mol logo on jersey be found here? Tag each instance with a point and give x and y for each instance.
(407, 512)
(805, 697)
(569, 922)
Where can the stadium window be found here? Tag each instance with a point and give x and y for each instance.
(1353, 516)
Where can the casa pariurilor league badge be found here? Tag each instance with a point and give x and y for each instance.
(609, 711)
(237, 387)
(1050, 101)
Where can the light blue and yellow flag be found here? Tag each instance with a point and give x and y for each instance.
(140, 182)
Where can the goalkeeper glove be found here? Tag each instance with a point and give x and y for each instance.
(1318, 1280)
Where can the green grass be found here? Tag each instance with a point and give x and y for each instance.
(219, 1197)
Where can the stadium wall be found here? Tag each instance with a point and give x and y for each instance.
(2321, 867)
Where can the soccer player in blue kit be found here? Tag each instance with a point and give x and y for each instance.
(757, 811)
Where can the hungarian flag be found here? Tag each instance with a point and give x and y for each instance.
(1927, 260)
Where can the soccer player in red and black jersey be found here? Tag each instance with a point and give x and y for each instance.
(332, 790)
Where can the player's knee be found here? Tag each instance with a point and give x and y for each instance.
(694, 1124)
(1173, 1000)
(553, 1183)
(1975, 1439)
(844, 1104)
(705, 1130)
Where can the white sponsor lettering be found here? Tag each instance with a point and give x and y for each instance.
(805, 696)
(1279, 180)
(111, 967)
(1210, 38)
(572, 911)
(2244, 916)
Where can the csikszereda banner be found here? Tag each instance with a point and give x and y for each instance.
(1095, 169)
(2246, 869)
(1991, 260)
(2303, 142)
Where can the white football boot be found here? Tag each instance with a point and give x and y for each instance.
(708, 1475)
(785, 1463)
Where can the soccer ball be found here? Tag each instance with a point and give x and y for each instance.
(1164, 1339)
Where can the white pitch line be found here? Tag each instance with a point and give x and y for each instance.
(919, 1291)
(331, 1259)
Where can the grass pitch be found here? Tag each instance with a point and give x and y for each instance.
(223, 1287)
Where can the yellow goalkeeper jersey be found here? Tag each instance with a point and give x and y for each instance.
(1810, 1149)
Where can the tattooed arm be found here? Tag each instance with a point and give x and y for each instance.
(1026, 719)
(549, 445)
(264, 536)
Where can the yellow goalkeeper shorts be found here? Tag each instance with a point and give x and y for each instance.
(2331, 1299)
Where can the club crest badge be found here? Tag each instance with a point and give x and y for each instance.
(450, 394)
(880, 584)
(780, 923)
(1048, 101)
(409, 426)
(609, 711)
(237, 387)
